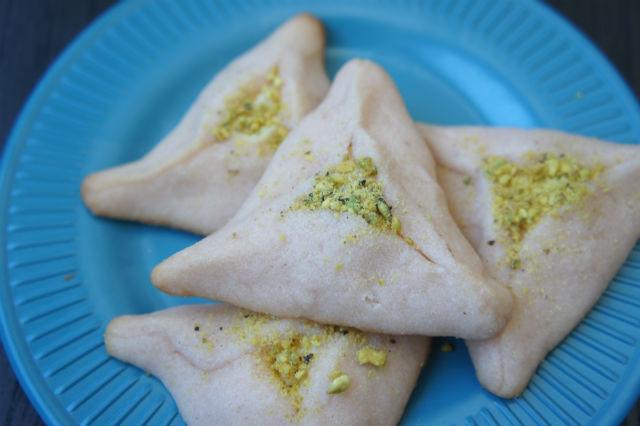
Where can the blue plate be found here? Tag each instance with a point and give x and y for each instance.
(126, 81)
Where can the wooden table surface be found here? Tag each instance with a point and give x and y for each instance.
(33, 32)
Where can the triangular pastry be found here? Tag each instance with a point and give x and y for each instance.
(553, 216)
(348, 226)
(200, 173)
(226, 366)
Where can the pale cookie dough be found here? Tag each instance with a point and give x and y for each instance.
(200, 173)
(226, 366)
(577, 219)
(348, 226)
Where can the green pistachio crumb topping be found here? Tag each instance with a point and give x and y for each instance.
(352, 187)
(524, 194)
(252, 110)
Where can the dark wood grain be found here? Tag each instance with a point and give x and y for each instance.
(33, 33)
(15, 408)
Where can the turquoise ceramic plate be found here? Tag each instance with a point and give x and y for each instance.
(126, 81)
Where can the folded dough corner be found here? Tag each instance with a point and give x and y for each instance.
(553, 216)
(200, 173)
(348, 226)
(228, 366)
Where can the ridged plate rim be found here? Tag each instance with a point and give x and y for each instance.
(19, 352)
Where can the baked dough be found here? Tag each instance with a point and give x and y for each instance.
(200, 173)
(348, 226)
(566, 260)
(225, 366)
